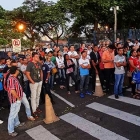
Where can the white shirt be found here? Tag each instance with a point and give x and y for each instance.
(84, 62)
(60, 61)
(23, 68)
(48, 50)
(75, 54)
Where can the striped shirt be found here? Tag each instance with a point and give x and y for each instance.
(13, 84)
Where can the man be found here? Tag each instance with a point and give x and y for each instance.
(95, 69)
(48, 48)
(26, 81)
(35, 76)
(108, 60)
(15, 93)
(120, 62)
(46, 87)
(84, 73)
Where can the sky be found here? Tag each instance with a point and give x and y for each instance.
(11, 4)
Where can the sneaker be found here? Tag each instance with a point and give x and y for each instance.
(38, 110)
(70, 85)
(82, 95)
(20, 125)
(1, 121)
(116, 96)
(14, 134)
(31, 118)
(88, 93)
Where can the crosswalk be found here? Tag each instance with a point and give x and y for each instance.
(94, 130)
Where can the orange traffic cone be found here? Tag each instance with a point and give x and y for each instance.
(50, 116)
(98, 88)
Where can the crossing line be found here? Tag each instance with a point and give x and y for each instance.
(126, 100)
(40, 133)
(63, 99)
(91, 128)
(115, 113)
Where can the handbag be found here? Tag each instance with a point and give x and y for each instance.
(129, 74)
(54, 71)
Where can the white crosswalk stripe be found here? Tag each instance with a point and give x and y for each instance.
(91, 128)
(126, 100)
(115, 113)
(40, 133)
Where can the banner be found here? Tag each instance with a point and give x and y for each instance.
(16, 43)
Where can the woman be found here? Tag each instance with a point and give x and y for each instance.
(133, 65)
(61, 70)
(69, 69)
(51, 65)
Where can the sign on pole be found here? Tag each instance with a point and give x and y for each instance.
(16, 43)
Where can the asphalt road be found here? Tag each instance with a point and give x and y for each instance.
(90, 118)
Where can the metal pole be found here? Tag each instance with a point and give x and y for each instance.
(115, 22)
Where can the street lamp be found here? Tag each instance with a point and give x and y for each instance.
(115, 8)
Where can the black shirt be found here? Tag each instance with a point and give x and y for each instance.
(45, 70)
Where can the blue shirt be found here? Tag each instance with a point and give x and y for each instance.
(45, 69)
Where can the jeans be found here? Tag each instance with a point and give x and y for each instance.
(119, 79)
(62, 76)
(35, 94)
(68, 76)
(51, 81)
(27, 88)
(26, 104)
(84, 81)
(13, 119)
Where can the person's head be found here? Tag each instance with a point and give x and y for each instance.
(95, 48)
(103, 48)
(133, 53)
(57, 49)
(136, 41)
(35, 57)
(50, 54)
(119, 45)
(28, 51)
(9, 54)
(14, 63)
(107, 43)
(72, 48)
(55, 53)
(66, 57)
(8, 61)
(21, 60)
(111, 48)
(25, 61)
(120, 51)
(59, 53)
(48, 58)
(48, 46)
(138, 51)
(83, 45)
(2, 60)
(128, 40)
(65, 49)
(84, 54)
(13, 70)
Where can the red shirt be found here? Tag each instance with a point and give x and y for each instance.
(13, 84)
(135, 62)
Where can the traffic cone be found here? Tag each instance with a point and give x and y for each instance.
(50, 116)
(98, 88)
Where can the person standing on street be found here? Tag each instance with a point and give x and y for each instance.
(35, 76)
(15, 94)
(84, 74)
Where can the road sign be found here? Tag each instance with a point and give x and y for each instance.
(16, 43)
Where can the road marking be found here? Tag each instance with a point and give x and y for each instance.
(115, 113)
(91, 128)
(126, 100)
(40, 133)
(63, 99)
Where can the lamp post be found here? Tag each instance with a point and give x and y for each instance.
(115, 8)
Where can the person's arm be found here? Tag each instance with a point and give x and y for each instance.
(14, 93)
(29, 77)
(41, 75)
(104, 58)
(132, 64)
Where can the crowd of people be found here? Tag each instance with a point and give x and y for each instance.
(30, 77)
